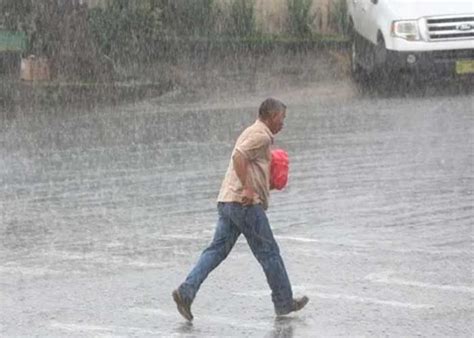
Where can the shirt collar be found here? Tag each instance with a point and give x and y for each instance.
(265, 128)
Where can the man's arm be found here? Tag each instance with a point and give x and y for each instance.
(241, 164)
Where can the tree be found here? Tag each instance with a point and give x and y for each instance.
(15, 14)
(126, 29)
(242, 18)
(186, 18)
(300, 17)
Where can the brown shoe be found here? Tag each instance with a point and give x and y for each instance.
(298, 304)
(184, 307)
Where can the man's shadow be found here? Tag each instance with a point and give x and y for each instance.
(186, 328)
(284, 327)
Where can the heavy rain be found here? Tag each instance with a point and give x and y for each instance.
(117, 123)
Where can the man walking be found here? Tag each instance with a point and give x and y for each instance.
(242, 201)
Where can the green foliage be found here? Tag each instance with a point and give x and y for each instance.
(126, 29)
(45, 28)
(14, 14)
(185, 18)
(242, 18)
(18, 16)
(338, 18)
(300, 18)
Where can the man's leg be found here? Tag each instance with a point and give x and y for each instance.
(225, 236)
(254, 224)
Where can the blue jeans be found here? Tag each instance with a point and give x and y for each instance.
(252, 221)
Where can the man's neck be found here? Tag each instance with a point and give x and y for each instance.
(266, 123)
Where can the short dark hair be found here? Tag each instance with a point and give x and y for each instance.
(270, 106)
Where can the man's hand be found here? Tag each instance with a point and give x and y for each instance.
(248, 195)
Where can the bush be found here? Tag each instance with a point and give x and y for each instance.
(338, 18)
(125, 29)
(186, 18)
(300, 18)
(14, 14)
(242, 18)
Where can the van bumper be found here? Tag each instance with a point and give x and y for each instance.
(449, 63)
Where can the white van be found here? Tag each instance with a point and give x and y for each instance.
(428, 38)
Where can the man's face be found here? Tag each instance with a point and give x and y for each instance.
(276, 121)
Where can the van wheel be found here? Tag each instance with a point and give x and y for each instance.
(357, 71)
(380, 71)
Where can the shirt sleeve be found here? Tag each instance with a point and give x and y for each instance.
(254, 145)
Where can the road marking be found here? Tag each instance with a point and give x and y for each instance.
(359, 245)
(313, 240)
(385, 277)
(88, 259)
(354, 298)
(30, 271)
(255, 293)
(263, 293)
(96, 258)
(371, 300)
(73, 327)
(425, 251)
(187, 237)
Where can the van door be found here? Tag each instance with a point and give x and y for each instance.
(357, 14)
(367, 19)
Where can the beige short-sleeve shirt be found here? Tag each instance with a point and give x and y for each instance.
(254, 144)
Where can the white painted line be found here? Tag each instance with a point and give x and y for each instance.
(424, 251)
(81, 327)
(354, 298)
(371, 300)
(302, 239)
(359, 245)
(216, 320)
(313, 240)
(255, 293)
(298, 288)
(30, 271)
(87, 259)
(386, 278)
(187, 237)
(73, 327)
(94, 258)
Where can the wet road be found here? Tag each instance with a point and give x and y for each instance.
(104, 212)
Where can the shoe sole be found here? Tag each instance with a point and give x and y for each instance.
(179, 304)
(303, 304)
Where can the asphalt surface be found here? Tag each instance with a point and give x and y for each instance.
(104, 212)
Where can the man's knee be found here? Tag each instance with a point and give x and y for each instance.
(267, 251)
(220, 249)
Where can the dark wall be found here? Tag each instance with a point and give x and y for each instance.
(10, 63)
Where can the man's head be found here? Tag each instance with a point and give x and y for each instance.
(272, 112)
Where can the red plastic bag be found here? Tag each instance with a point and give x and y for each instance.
(279, 167)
